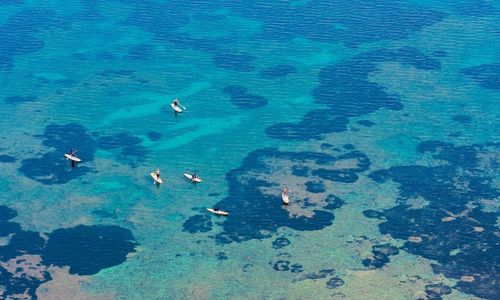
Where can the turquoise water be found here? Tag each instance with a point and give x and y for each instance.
(381, 118)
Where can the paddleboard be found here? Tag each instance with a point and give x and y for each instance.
(190, 177)
(176, 108)
(285, 198)
(218, 212)
(159, 181)
(73, 158)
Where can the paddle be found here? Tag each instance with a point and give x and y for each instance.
(72, 154)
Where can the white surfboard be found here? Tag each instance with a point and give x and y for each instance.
(176, 108)
(156, 179)
(218, 212)
(73, 158)
(190, 177)
(285, 198)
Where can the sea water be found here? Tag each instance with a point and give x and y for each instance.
(380, 116)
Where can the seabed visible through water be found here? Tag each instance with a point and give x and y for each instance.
(381, 117)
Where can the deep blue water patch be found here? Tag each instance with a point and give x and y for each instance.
(241, 98)
(318, 275)
(345, 175)
(315, 187)
(7, 227)
(305, 203)
(278, 71)
(11, 2)
(436, 290)
(474, 8)
(85, 249)
(334, 202)
(285, 265)
(281, 242)
(439, 53)
(457, 187)
(19, 31)
(89, 12)
(241, 62)
(462, 119)
(7, 213)
(380, 255)
(117, 73)
(22, 242)
(4, 158)
(314, 124)
(154, 136)
(487, 76)
(366, 123)
(52, 167)
(129, 143)
(300, 171)
(141, 52)
(221, 256)
(281, 265)
(88, 249)
(374, 214)
(334, 283)
(198, 223)
(14, 285)
(347, 92)
(245, 198)
(413, 57)
(351, 22)
(20, 99)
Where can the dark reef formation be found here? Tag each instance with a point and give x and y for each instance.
(84, 249)
(453, 228)
(52, 168)
(347, 92)
(242, 99)
(247, 197)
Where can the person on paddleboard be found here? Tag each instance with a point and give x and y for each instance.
(157, 172)
(285, 191)
(178, 104)
(194, 176)
(72, 152)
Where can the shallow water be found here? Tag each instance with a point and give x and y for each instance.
(379, 117)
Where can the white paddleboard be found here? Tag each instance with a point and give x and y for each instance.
(190, 177)
(157, 180)
(73, 158)
(285, 198)
(218, 212)
(176, 108)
